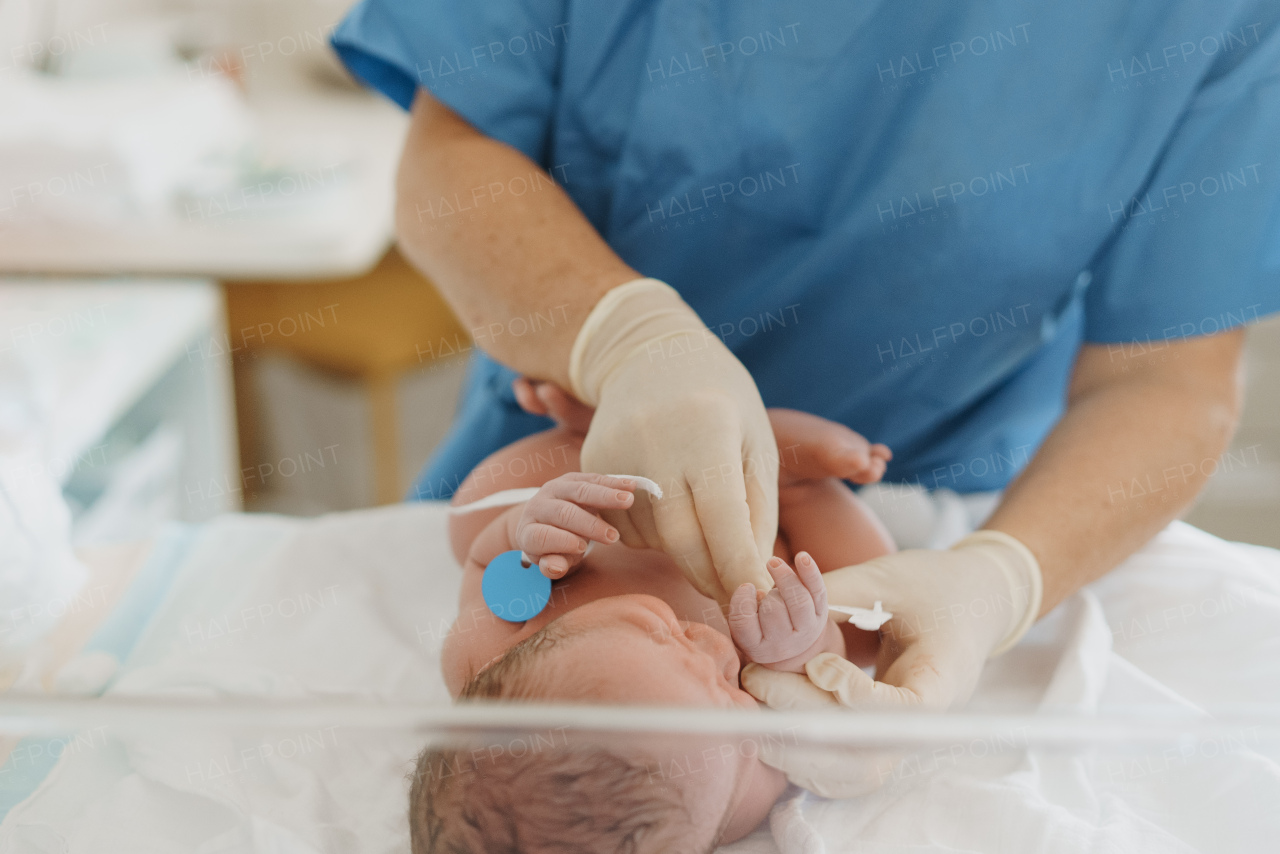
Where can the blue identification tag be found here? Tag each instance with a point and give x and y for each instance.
(513, 592)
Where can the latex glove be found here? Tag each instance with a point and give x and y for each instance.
(786, 627)
(827, 770)
(809, 446)
(673, 404)
(557, 524)
(952, 610)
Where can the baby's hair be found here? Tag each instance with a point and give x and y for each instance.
(559, 799)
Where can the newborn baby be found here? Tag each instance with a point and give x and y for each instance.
(624, 626)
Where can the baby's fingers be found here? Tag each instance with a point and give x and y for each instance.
(588, 489)
(811, 577)
(554, 566)
(775, 621)
(570, 519)
(536, 539)
(794, 595)
(744, 621)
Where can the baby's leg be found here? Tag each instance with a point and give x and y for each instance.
(826, 519)
(531, 461)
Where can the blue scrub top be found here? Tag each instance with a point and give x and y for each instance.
(905, 217)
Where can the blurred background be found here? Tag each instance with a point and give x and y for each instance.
(200, 306)
(201, 309)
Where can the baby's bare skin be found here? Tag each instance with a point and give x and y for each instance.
(816, 512)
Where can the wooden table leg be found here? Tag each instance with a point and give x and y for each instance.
(384, 415)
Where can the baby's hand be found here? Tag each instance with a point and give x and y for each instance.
(554, 526)
(789, 622)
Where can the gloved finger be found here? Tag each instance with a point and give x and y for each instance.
(537, 538)
(919, 670)
(811, 577)
(795, 597)
(860, 585)
(682, 540)
(760, 467)
(744, 619)
(725, 518)
(853, 688)
(784, 691)
(642, 516)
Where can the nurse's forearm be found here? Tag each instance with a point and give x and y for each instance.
(508, 249)
(1129, 455)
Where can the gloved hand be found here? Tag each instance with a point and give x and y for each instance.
(674, 405)
(952, 610)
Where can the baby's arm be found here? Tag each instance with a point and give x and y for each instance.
(553, 528)
(788, 626)
(531, 461)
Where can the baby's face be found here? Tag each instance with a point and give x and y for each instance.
(633, 649)
(638, 652)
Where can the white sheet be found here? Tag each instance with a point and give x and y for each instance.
(358, 603)
(352, 604)
(1190, 621)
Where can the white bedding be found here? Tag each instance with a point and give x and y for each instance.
(358, 603)
(1191, 621)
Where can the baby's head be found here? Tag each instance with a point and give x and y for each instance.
(554, 794)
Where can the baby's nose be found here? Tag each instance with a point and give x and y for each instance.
(712, 642)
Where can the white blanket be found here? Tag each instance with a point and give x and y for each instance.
(349, 604)
(358, 603)
(1190, 621)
